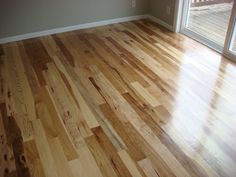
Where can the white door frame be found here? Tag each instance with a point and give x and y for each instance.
(178, 15)
(181, 10)
(230, 35)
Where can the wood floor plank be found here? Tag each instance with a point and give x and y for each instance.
(43, 147)
(38, 57)
(128, 139)
(87, 162)
(145, 94)
(8, 165)
(65, 103)
(3, 87)
(117, 164)
(59, 157)
(19, 92)
(29, 70)
(87, 113)
(54, 125)
(103, 162)
(33, 159)
(129, 163)
(78, 169)
(147, 167)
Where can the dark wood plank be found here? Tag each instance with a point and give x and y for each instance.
(14, 142)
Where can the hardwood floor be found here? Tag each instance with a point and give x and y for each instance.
(129, 99)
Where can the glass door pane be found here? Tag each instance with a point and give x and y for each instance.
(209, 19)
(232, 47)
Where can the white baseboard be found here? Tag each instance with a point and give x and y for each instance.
(160, 22)
(70, 28)
(83, 26)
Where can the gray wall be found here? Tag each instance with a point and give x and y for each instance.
(157, 8)
(26, 16)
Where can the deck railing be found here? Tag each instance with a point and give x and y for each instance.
(198, 3)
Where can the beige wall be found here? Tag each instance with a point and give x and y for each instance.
(157, 8)
(26, 16)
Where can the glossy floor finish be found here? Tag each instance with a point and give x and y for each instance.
(129, 99)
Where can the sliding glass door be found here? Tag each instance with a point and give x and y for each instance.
(211, 22)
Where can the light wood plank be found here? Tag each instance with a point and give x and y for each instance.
(44, 150)
(129, 163)
(145, 94)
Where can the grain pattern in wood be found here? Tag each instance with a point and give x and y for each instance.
(128, 99)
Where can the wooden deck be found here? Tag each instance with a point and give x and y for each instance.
(211, 21)
(123, 100)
